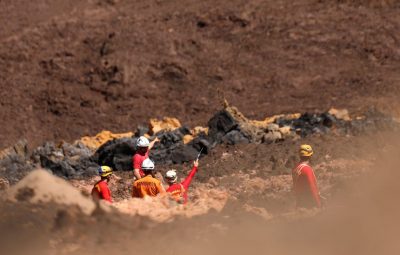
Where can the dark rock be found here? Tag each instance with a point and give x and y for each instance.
(184, 154)
(68, 160)
(201, 144)
(235, 137)
(328, 120)
(15, 167)
(220, 124)
(116, 154)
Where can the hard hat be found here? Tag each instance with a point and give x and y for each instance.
(147, 164)
(105, 171)
(142, 142)
(171, 176)
(306, 150)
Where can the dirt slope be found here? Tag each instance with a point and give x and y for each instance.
(70, 68)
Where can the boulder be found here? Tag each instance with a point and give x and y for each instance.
(272, 127)
(220, 124)
(235, 137)
(116, 154)
(184, 154)
(66, 160)
(15, 162)
(272, 137)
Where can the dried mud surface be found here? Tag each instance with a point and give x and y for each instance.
(74, 68)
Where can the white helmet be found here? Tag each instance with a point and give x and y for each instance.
(171, 176)
(142, 142)
(147, 164)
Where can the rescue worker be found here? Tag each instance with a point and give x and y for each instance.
(143, 149)
(100, 190)
(147, 186)
(178, 191)
(304, 181)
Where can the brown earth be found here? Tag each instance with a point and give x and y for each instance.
(360, 180)
(73, 68)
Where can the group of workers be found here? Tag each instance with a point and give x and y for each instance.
(146, 184)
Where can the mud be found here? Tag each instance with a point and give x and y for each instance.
(77, 68)
(70, 69)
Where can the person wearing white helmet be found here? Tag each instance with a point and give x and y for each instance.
(147, 186)
(143, 149)
(178, 191)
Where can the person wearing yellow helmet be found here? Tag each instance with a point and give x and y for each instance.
(305, 186)
(100, 190)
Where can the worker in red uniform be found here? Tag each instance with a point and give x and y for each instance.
(143, 149)
(178, 191)
(304, 182)
(100, 190)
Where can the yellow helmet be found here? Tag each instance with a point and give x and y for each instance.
(105, 171)
(306, 150)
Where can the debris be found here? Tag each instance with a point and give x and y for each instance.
(187, 139)
(340, 114)
(101, 138)
(166, 124)
(272, 137)
(66, 160)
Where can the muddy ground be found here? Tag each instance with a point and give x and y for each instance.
(74, 68)
(359, 180)
(71, 68)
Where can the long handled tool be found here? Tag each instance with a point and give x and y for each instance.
(198, 156)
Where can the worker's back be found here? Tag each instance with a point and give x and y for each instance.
(147, 186)
(305, 186)
(101, 191)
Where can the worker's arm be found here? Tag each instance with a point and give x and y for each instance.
(136, 167)
(188, 179)
(312, 183)
(136, 173)
(151, 145)
(161, 188)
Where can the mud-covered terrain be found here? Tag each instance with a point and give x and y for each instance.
(321, 72)
(72, 68)
(242, 210)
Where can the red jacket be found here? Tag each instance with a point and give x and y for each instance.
(305, 186)
(101, 191)
(138, 159)
(179, 190)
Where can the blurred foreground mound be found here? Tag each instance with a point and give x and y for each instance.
(40, 186)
